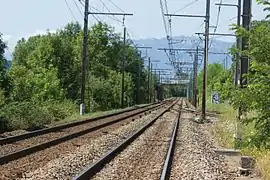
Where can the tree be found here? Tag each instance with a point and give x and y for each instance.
(5, 84)
(56, 58)
(256, 97)
(213, 72)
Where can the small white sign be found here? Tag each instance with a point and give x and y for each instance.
(215, 98)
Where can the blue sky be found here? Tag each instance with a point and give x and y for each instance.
(30, 17)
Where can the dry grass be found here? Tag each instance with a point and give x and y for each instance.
(224, 127)
(224, 130)
(262, 157)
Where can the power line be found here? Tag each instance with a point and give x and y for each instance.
(116, 5)
(78, 7)
(233, 18)
(114, 17)
(91, 7)
(186, 6)
(217, 23)
(70, 11)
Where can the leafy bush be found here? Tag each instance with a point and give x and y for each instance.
(24, 115)
(2, 98)
(59, 110)
(31, 115)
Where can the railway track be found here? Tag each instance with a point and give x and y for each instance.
(169, 157)
(153, 144)
(15, 147)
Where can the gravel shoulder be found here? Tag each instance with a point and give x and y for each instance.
(80, 151)
(194, 156)
(18, 145)
(144, 158)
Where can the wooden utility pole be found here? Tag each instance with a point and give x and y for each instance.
(244, 58)
(206, 44)
(195, 66)
(84, 54)
(151, 82)
(238, 44)
(244, 63)
(123, 70)
(149, 72)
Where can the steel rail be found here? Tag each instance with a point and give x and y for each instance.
(27, 135)
(99, 164)
(30, 150)
(168, 162)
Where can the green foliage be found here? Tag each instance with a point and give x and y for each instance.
(46, 76)
(106, 92)
(59, 110)
(22, 115)
(2, 98)
(266, 3)
(223, 84)
(256, 97)
(33, 115)
(213, 73)
(5, 83)
(36, 84)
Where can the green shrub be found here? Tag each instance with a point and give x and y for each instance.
(31, 115)
(60, 110)
(2, 98)
(24, 115)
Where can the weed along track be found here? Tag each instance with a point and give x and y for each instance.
(34, 152)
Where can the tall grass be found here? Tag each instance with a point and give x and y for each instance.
(224, 130)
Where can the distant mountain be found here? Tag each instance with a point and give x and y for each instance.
(184, 42)
(217, 46)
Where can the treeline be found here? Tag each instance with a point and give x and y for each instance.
(43, 84)
(255, 98)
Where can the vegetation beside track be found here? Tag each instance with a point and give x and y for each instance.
(43, 84)
(224, 130)
(254, 99)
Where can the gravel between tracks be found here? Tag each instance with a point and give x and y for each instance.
(194, 156)
(8, 148)
(144, 158)
(65, 166)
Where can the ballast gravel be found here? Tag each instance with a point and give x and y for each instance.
(18, 145)
(144, 158)
(194, 156)
(68, 165)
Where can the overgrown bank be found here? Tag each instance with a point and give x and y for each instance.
(224, 130)
(43, 84)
